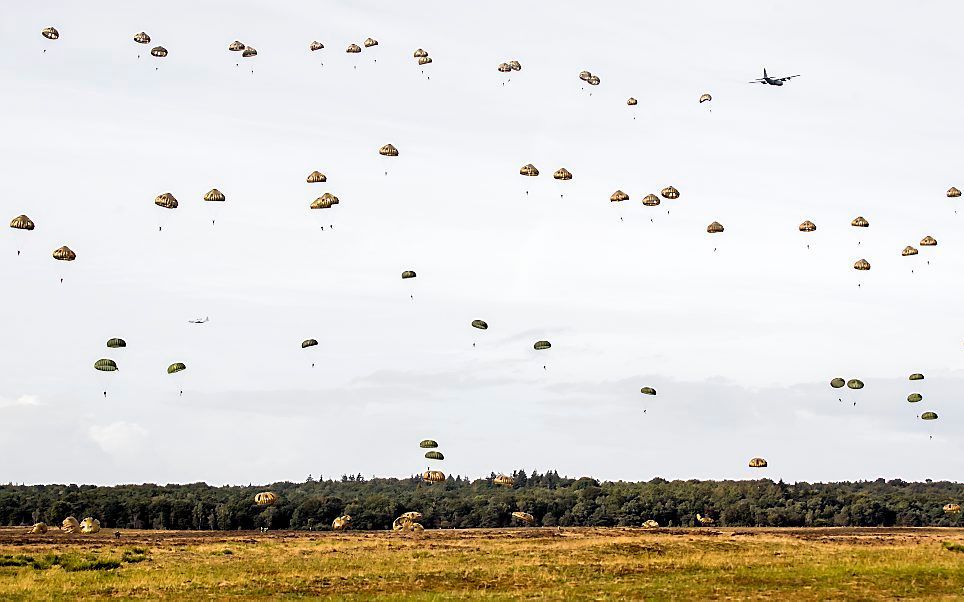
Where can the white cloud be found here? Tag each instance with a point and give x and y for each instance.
(23, 400)
(118, 437)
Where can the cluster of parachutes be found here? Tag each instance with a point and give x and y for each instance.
(432, 476)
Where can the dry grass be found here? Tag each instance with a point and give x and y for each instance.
(798, 564)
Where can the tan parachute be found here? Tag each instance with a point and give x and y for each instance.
(808, 226)
(70, 525)
(369, 42)
(618, 197)
(341, 523)
(433, 476)
(515, 65)
(631, 101)
(651, 200)
(265, 498)
(420, 54)
(651, 524)
(585, 75)
(353, 49)
(64, 254)
(159, 51)
(166, 200)
(214, 196)
(953, 193)
(528, 170)
(38, 529)
(669, 193)
(715, 228)
(758, 463)
(316, 176)
(948, 509)
(249, 51)
(908, 251)
(425, 60)
(142, 38)
(89, 525)
(388, 151)
(236, 46)
(862, 265)
(524, 517)
(704, 520)
(593, 81)
(860, 222)
(928, 241)
(562, 174)
(321, 203)
(504, 480)
(316, 45)
(705, 98)
(22, 222)
(504, 68)
(50, 33)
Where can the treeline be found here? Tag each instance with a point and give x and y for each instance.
(461, 503)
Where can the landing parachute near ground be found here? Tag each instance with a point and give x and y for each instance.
(504, 480)
(433, 476)
(524, 517)
(89, 525)
(265, 498)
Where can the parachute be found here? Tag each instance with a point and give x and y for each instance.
(837, 383)
(715, 228)
(408, 274)
(434, 455)
(89, 525)
(433, 476)
(862, 265)
(504, 480)
(64, 254)
(106, 365)
(953, 193)
(176, 367)
(562, 174)
(325, 201)
(142, 38)
(648, 391)
(524, 517)
(704, 520)
(236, 46)
(908, 251)
(631, 101)
(248, 52)
(38, 529)
(504, 68)
(425, 60)
(159, 51)
(388, 151)
(166, 200)
(115, 343)
(480, 324)
(618, 197)
(948, 508)
(316, 45)
(22, 222)
(807, 226)
(420, 54)
(928, 241)
(705, 98)
(584, 75)
(428, 444)
(308, 343)
(758, 463)
(70, 525)
(928, 416)
(528, 170)
(50, 33)
(341, 523)
(515, 65)
(316, 176)
(369, 42)
(855, 383)
(915, 397)
(265, 498)
(353, 49)
(651, 524)
(916, 376)
(860, 222)
(651, 200)
(540, 345)
(593, 81)
(214, 195)
(669, 193)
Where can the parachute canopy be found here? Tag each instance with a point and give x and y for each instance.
(176, 367)
(855, 383)
(420, 54)
(540, 345)
(593, 81)
(515, 65)
(50, 33)
(480, 324)
(388, 151)
(341, 522)
(562, 174)
(22, 222)
(504, 480)
(648, 391)
(425, 60)
(353, 49)
(159, 51)
(928, 241)
(265, 498)
(916, 376)
(70, 525)
(316, 45)
(142, 38)
(860, 222)
(651, 200)
(115, 343)
(38, 529)
(369, 42)
(433, 476)
(669, 193)
(948, 508)
(308, 343)
(316, 176)
(325, 201)
(89, 525)
(908, 251)
(166, 200)
(434, 455)
(758, 463)
(915, 397)
(808, 226)
(236, 46)
(584, 75)
(408, 274)
(862, 265)
(64, 254)
(837, 383)
(214, 195)
(524, 517)
(249, 51)
(953, 192)
(631, 101)
(705, 98)
(504, 68)
(928, 416)
(428, 444)
(618, 197)
(105, 365)
(715, 228)
(529, 170)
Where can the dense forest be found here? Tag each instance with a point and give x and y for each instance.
(461, 503)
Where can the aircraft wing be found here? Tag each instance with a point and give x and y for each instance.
(787, 78)
(758, 81)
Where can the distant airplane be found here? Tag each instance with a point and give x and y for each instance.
(772, 81)
(198, 321)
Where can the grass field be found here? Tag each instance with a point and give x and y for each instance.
(547, 563)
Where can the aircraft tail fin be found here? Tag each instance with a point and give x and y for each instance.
(764, 73)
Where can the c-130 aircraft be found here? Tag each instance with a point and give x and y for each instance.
(772, 81)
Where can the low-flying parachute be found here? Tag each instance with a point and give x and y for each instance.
(562, 174)
(105, 365)
(837, 383)
(166, 200)
(908, 251)
(316, 176)
(50, 33)
(214, 195)
(650, 524)
(316, 45)
(715, 228)
(758, 463)
(159, 52)
(862, 265)
(408, 274)
(480, 324)
(705, 98)
(388, 151)
(524, 517)
(855, 383)
(434, 455)
(89, 525)
(705, 520)
(504, 480)
(651, 200)
(631, 101)
(433, 476)
(915, 397)
(341, 523)
(953, 193)
(142, 38)
(916, 376)
(540, 345)
(116, 343)
(618, 197)
(928, 241)
(38, 529)
(669, 193)
(265, 498)
(248, 52)
(22, 222)
(70, 525)
(176, 367)
(425, 60)
(64, 254)
(308, 343)
(369, 42)
(860, 222)
(928, 416)
(948, 509)
(648, 391)
(420, 54)
(808, 226)
(528, 170)
(353, 49)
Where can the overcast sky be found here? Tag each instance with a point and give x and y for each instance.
(740, 342)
